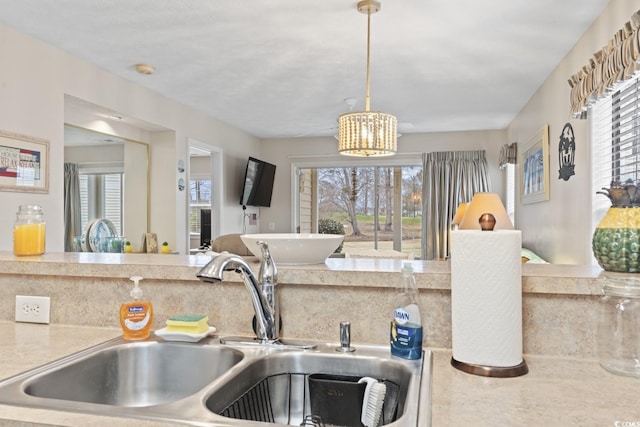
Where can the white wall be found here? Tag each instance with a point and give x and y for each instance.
(136, 195)
(200, 166)
(284, 152)
(34, 79)
(560, 229)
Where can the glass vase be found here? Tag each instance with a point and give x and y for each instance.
(619, 326)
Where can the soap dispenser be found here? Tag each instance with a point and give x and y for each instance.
(406, 323)
(136, 317)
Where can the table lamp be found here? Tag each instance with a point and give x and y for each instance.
(457, 218)
(479, 211)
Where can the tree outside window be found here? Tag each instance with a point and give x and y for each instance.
(363, 200)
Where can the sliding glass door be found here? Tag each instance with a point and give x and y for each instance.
(378, 207)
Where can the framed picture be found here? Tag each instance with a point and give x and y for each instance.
(24, 163)
(151, 246)
(534, 167)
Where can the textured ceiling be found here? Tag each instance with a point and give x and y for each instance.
(282, 68)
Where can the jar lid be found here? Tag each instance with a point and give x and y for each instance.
(622, 287)
(37, 208)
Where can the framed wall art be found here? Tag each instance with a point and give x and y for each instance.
(567, 153)
(534, 168)
(24, 163)
(151, 243)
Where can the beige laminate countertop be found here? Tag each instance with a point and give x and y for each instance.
(371, 273)
(556, 392)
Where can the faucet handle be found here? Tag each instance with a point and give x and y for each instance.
(345, 338)
(268, 272)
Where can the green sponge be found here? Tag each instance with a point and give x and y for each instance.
(190, 324)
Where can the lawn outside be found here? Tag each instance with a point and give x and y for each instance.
(411, 236)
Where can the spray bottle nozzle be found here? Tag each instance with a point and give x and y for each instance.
(136, 292)
(407, 268)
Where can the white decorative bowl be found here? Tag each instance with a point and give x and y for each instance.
(294, 248)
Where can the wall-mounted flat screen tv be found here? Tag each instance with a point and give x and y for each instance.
(258, 183)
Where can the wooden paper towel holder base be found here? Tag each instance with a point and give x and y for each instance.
(491, 371)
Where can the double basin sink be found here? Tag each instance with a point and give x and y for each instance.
(214, 384)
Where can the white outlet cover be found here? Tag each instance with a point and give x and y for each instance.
(32, 309)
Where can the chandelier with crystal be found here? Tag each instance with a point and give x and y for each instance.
(367, 133)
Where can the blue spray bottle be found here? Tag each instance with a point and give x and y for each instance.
(406, 325)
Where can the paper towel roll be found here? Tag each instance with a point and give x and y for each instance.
(486, 297)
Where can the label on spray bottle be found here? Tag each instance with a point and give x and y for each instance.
(406, 333)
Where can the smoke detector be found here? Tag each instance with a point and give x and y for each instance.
(350, 102)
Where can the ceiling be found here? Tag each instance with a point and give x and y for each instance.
(283, 68)
(75, 136)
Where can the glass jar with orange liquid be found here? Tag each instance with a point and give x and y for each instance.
(29, 231)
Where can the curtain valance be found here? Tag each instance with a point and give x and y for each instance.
(508, 154)
(614, 63)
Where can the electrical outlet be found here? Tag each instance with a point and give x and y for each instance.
(32, 309)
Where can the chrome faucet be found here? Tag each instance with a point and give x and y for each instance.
(262, 290)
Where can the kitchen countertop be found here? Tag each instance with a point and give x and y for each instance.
(555, 392)
(361, 272)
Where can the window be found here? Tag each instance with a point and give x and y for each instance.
(199, 198)
(510, 199)
(379, 207)
(615, 135)
(101, 197)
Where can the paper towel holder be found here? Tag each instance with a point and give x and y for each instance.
(492, 371)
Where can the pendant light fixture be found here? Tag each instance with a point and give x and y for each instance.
(367, 133)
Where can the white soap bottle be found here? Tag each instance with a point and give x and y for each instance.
(406, 324)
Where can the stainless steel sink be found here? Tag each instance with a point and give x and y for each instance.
(278, 388)
(134, 374)
(197, 383)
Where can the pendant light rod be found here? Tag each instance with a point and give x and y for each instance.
(368, 95)
(368, 7)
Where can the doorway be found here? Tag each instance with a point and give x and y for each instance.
(204, 201)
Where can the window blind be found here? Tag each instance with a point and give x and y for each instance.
(112, 199)
(101, 196)
(84, 201)
(615, 136)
